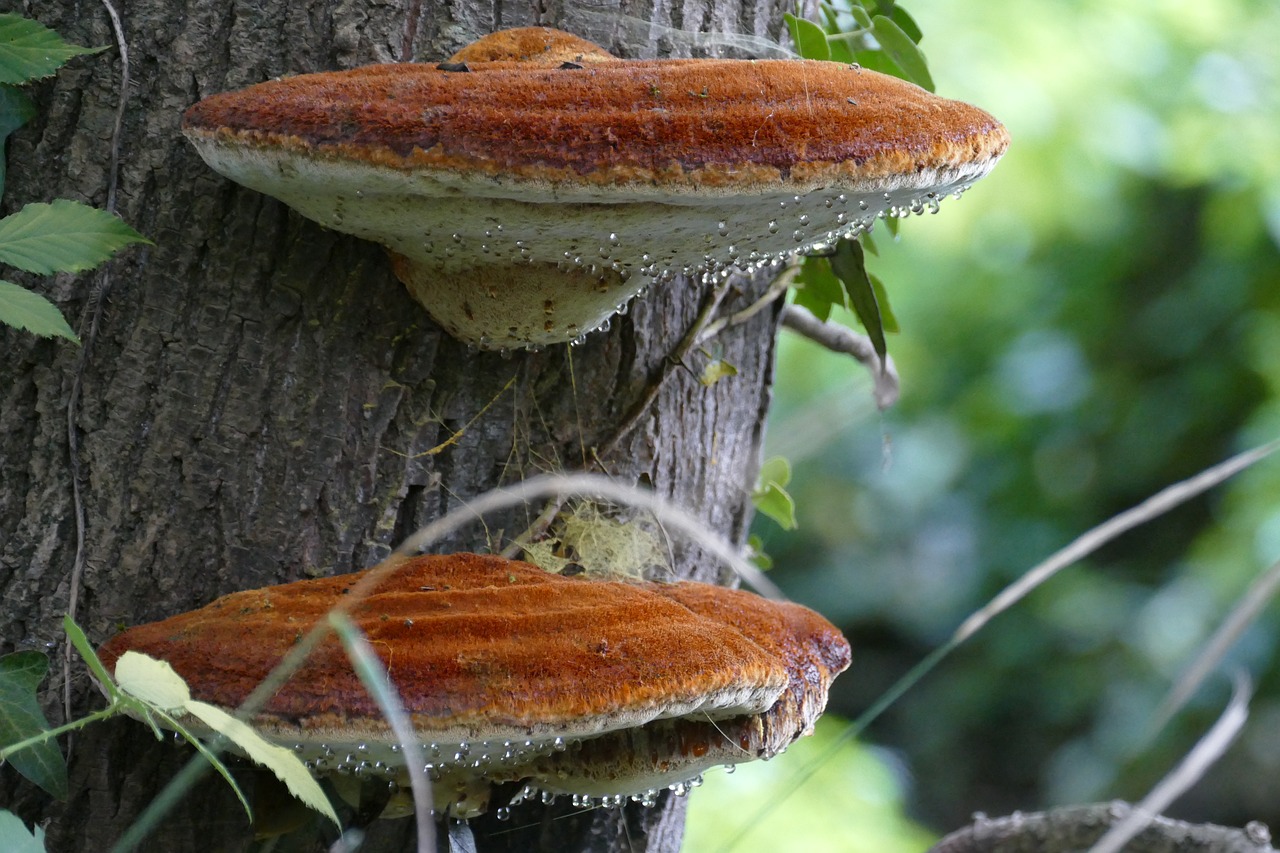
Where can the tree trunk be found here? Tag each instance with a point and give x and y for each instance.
(257, 400)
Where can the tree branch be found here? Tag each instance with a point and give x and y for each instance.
(1076, 828)
(842, 339)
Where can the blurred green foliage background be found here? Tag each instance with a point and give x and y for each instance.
(1098, 318)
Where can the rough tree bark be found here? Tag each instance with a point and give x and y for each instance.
(259, 393)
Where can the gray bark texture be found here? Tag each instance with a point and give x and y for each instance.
(256, 396)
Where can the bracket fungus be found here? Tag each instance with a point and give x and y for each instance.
(532, 184)
(605, 691)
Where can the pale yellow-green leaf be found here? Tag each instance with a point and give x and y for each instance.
(153, 681)
(716, 370)
(277, 759)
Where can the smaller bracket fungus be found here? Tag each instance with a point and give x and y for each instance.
(606, 691)
(532, 184)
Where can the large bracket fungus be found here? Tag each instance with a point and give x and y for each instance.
(605, 691)
(531, 185)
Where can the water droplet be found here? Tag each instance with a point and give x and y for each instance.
(723, 228)
(359, 193)
(798, 236)
(773, 226)
(503, 813)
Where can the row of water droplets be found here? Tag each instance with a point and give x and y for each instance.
(647, 798)
(363, 760)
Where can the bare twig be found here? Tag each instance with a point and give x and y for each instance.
(674, 359)
(1259, 595)
(1072, 828)
(1189, 771)
(777, 289)
(842, 339)
(88, 335)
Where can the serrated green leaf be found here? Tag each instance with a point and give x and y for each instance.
(21, 717)
(810, 39)
(29, 50)
(16, 838)
(902, 50)
(64, 236)
(153, 681)
(23, 309)
(205, 752)
(849, 265)
(279, 760)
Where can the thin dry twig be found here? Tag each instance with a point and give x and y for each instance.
(841, 339)
(1189, 771)
(88, 335)
(1088, 542)
(777, 289)
(1252, 603)
(673, 360)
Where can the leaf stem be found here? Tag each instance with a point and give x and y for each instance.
(50, 734)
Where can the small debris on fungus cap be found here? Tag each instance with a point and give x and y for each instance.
(605, 691)
(528, 187)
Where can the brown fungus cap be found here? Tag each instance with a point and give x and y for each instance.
(532, 184)
(509, 673)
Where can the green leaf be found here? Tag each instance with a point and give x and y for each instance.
(906, 23)
(65, 236)
(756, 546)
(810, 39)
(716, 369)
(201, 747)
(902, 50)
(82, 645)
(16, 110)
(153, 681)
(30, 50)
(23, 309)
(16, 838)
(817, 289)
(278, 759)
(849, 265)
(770, 496)
(887, 318)
(21, 717)
(860, 16)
